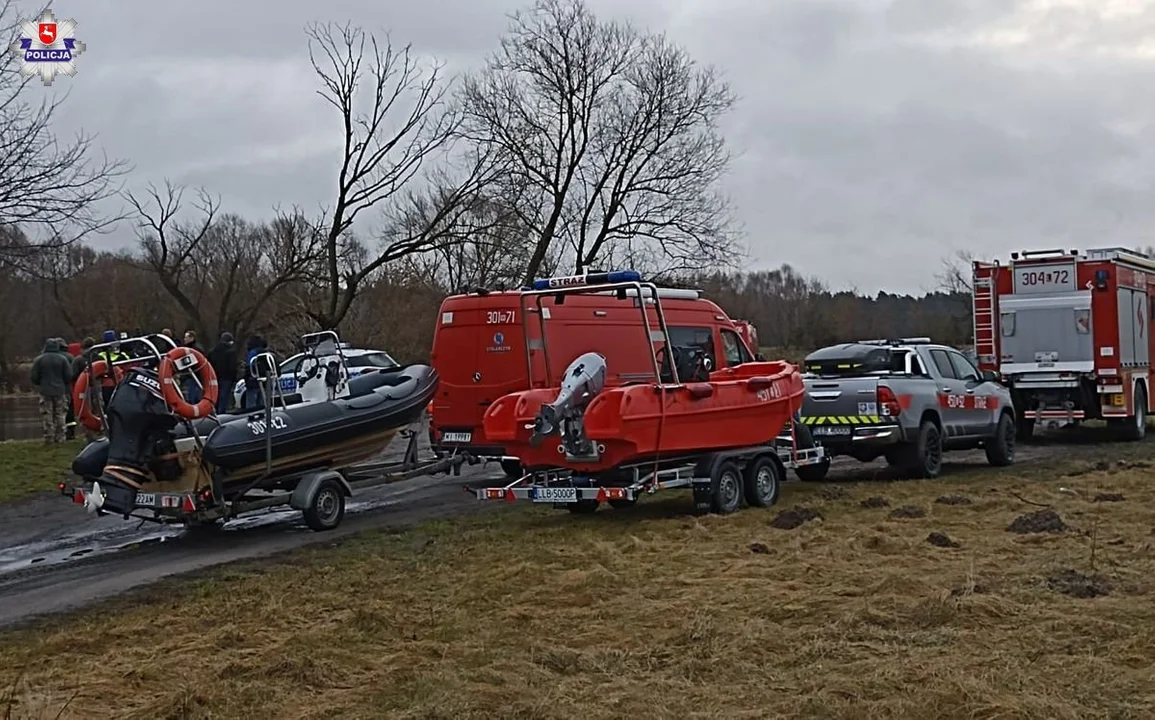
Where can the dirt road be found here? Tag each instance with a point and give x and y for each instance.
(54, 557)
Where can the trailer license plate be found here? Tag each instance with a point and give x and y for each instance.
(555, 495)
(826, 430)
(146, 500)
(458, 437)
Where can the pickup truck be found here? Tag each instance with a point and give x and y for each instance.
(905, 400)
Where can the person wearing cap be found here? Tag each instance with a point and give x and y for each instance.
(51, 375)
(70, 414)
(109, 355)
(223, 358)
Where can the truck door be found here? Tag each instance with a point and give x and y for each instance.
(951, 395)
(979, 417)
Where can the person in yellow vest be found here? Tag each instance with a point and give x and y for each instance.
(109, 355)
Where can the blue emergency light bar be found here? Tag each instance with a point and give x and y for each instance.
(598, 278)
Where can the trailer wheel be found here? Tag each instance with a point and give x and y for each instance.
(1137, 426)
(623, 503)
(762, 480)
(327, 508)
(1000, 448)
(512, 469)
(726, 488)
(924, 457)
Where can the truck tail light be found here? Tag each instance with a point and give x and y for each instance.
(888, 402)
(1083, 321)
(1007, 324)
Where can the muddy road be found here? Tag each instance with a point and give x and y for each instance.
(54, 557)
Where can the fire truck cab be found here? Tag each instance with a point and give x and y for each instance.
(1069, 333)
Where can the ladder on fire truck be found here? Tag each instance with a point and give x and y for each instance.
(984, 309)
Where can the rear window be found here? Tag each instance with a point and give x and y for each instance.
(855, 359)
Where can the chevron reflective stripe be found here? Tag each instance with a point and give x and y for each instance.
(842, 420)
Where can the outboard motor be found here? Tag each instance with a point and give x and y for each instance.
(140, 443)
(584, 378)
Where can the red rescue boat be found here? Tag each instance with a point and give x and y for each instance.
(582, 425)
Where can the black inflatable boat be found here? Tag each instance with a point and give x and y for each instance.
(145, 441)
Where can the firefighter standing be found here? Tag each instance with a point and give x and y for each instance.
(109, 355)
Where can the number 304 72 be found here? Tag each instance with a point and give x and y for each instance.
(500, 317)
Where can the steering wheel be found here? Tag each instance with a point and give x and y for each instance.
(312, 371)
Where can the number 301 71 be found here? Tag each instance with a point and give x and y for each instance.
(500, 317)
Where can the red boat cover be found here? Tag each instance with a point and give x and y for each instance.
(739, 407)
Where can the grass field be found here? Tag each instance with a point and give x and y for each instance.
(894, 600)
(28, 467)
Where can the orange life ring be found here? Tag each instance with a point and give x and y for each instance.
(170, 390)
(96, 371)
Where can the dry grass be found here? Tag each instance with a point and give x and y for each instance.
(650, 612)
(29, 467)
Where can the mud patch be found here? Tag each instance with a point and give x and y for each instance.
(795, 517)
(832, 492)
(942, 540)
(875, 502)
(1043, 521)
(953, 500)
(970, 588)
(1078, 585)
(907, 511)
(759, 548)
(1108, 497)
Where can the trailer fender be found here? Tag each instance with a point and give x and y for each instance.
(303, 494)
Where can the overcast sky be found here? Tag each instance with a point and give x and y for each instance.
(873, 137)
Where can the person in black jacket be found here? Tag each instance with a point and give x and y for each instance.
(223, 358)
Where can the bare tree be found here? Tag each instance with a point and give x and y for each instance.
(48, 186)
(614, 132)
(396, 122)
(222, 270)
(954, 278)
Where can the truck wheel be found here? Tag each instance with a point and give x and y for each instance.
(924, 457)
(726, 484)
(327, 508)
(1024, 429)
(813, 473)
(1000, 448)
(762, 478)
(512, 469)
(1137, 426)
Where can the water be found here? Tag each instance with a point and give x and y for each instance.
(19, 417)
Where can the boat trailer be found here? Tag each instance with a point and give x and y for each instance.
(320, 494)
(720, 479)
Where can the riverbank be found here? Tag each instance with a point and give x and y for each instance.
(29, 467)
(1017, 593)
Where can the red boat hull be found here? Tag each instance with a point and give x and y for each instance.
(739, 407)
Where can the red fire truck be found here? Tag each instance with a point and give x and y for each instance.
(1068, 331)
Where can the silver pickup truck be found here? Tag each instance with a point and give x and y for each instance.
(905, 400)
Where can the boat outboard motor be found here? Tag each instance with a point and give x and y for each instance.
(140, 443)
(584, 378)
